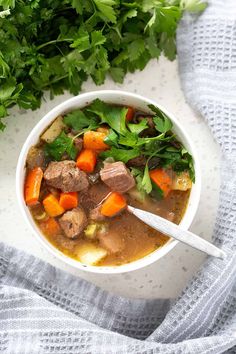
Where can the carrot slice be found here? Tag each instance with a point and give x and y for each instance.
(32, 185)
(86, 160)
(68, 200)
(95, 140)
(162, 179)
(129, 114)
(52, 206)
(114, 203)
(50, 227)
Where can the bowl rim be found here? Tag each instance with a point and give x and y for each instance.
(68, 105)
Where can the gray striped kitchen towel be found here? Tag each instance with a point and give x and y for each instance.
(44, 310)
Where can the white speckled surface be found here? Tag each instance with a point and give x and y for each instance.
(168, 276)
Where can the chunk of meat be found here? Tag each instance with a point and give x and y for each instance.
(73, 222)
(111, 241)
(35, 158)
(139, 161)
(90, 198)
(66, 176)
(117, 176)
(95, 214)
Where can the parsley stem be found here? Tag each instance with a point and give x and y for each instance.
(53, 42)
(54, 81)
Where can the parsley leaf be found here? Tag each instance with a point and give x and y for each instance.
(146, 181)
(138, 174)
(138, 127)
(62, 144)
(106, 10)
(57, 45)
(114, 116)
(162, 125)
(119, 154)
(112, 139)
(193, 5)
(78, 120)
(143, 180)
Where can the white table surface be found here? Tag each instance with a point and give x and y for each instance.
(168, 276)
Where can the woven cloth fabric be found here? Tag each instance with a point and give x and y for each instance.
(44, 310)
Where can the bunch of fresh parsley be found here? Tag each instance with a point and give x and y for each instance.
(126, 141)
(56, 44)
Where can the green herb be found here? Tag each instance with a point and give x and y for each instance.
(114, 116)
(61, 145)
(130, 139)
(112, 139)
(146, 181)
(120, 154)
(56, 45)
(143, 181)
(138, 127)
(156, 192)
(78, 120)
(138, 174)
(162, 123)
(126, 143)
(193, 5)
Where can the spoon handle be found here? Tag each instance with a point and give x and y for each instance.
(170, 229)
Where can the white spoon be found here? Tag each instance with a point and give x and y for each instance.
(170, 229)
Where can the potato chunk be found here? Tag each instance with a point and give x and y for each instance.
(54, 130)
(182, 181)
(91, 231)
(90, 254)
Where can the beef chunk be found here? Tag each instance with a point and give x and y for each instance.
(111, 241)
(89, 199)
(66, 176)
(117, 177)
(95, 214)
(35, 158)
(139, 161)
(73, 222)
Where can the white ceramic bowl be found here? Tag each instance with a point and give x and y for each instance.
(116, 97)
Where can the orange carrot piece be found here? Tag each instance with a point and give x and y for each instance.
(50, 227)
(113, 204)
(162, 179)
(52, 206)
(32, 185)
(95, 140)
(68, 200)
(129, 114)
(86, 160)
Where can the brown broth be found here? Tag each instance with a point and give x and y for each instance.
(139, 239)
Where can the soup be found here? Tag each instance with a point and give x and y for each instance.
(89, 164)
